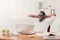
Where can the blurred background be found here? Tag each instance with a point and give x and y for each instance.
(14, 13)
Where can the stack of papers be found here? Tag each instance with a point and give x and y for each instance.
(51, 37)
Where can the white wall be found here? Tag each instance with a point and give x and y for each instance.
(14, 12)
(5, 14)
(56, 24)
(23, 8)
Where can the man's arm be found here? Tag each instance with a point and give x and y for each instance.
(34, 16)
(50, 15)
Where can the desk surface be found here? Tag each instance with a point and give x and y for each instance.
(21, 37)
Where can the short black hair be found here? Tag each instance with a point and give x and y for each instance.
(43, 13)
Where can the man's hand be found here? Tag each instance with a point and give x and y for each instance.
(53, 14)
(31, 16)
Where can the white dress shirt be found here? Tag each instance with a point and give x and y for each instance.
(42, 26)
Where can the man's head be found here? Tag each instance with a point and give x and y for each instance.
(42, 14)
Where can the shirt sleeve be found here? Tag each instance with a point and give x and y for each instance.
(51, 19)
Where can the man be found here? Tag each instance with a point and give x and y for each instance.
(42, 21)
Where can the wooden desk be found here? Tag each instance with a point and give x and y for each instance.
(21, 37)
(29, 37)
(7, 37)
